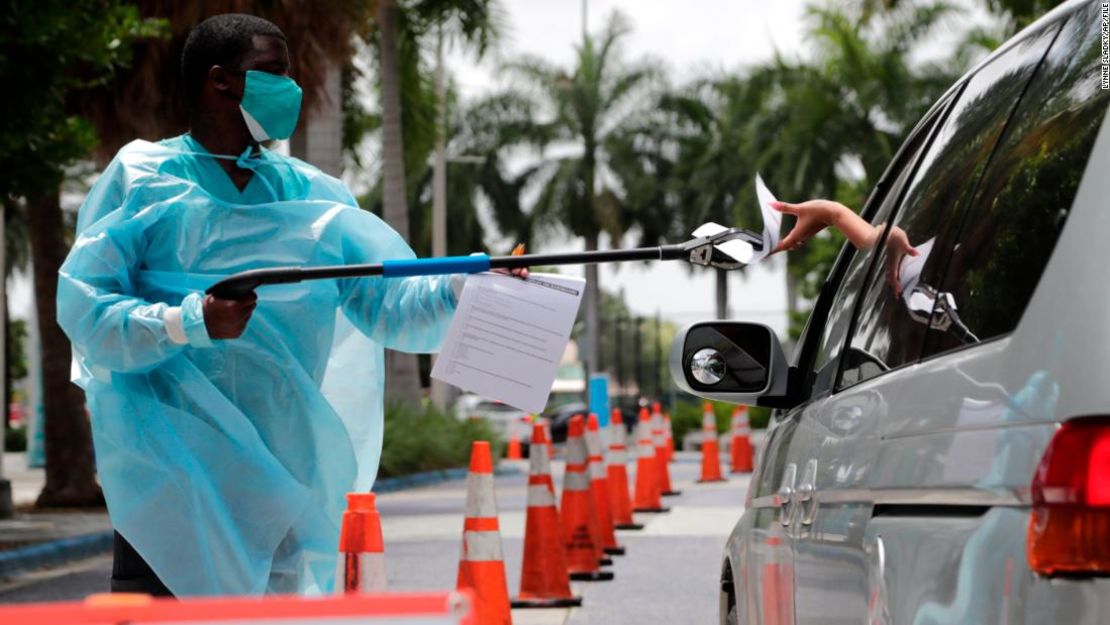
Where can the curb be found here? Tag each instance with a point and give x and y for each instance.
(427, 478)
(53, 553)
(57, 552)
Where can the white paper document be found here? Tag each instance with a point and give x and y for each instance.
(772, 223)
(772, 219)
(909, 273)
(508, 336)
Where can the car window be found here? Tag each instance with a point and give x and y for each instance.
(1020, 206)
(891, 322)
(843, 300)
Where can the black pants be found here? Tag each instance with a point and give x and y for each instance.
(130, 573)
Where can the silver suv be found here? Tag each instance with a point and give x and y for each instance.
(940, 452)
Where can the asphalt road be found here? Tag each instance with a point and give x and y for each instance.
(669, 574)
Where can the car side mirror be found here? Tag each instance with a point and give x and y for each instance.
(730, 361)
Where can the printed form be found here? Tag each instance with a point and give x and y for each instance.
(508, 336)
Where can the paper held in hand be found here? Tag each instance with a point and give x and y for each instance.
(772, 222)
(508, 336)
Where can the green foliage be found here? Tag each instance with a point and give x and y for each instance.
(16, 357)
(15, 439)
(687, 414)
(653, 361)
(50, 49)
(476, 24)
(593, 103)
(427, 440)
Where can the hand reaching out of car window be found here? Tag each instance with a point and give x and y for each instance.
(816, 215)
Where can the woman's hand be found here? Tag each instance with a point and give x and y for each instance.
(816, 215)
(813, 217)
(898, 247)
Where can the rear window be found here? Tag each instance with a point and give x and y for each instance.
(1025, 196)
(892, 321)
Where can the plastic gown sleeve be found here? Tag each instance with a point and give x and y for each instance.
(108, 326)
(405, 314)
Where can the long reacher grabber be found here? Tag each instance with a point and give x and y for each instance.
(729, 249)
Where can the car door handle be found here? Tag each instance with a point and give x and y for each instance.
(807, 493)
(785, 496)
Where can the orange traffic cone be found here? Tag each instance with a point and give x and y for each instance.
(710, 447)
(599, 486)
(662, 464)
(647, 476)
(514, 452)
(361, 566)
(619, 503)
(668, 434)
(581, 529)
(544, 581)
(740, 448)
(481, 568)
(550, 441)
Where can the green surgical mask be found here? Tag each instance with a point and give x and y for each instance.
(271, 105)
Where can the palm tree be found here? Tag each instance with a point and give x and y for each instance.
(399, 41)
(704, 162)
(590, 105)
(847, 109)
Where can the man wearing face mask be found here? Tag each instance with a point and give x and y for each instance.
(227, 432)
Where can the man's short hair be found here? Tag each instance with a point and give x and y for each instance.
(222, 40)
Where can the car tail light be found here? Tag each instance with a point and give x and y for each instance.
(1069, 530)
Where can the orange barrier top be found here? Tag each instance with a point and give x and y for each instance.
(453, 607)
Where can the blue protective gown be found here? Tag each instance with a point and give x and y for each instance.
(225, 463)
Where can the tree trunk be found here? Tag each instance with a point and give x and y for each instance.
(403, 377)
(593, 311)
(722, 295)
(70, 470)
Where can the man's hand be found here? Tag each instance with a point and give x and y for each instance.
(519, 272)
(227, 318)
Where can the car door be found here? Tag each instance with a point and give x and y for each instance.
(954, 461)
(835, 557)
(780, 488)
(825, 589)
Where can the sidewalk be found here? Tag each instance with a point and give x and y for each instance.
(36, 540)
